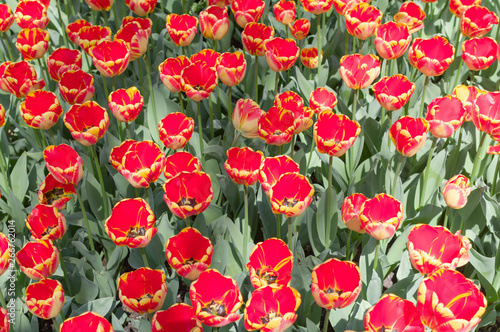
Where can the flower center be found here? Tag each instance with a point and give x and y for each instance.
(216, 309)
(48, 230)
(270, 316)
(386, 329)
(185, 201)
(290, 202)
(198, 88)
(190, 261)
(136, 231)
(330, 290)
(277, 132)
(268, 275)
(53, 195)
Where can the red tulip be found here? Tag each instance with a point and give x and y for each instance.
(176, 130)
(447, 301)
(392, 40)
(54, 193)
(87, 122)
(343, 6)
(4, 320)
(111, 58)
(468, 96)
(198, 80)
(135, 38)
(131, 223)
(317, 6)
(215, 298)
(335, 134)
(170, 72)
(179, 317)
(273, 167)
(62, 60)
(139, 162)
(359, 71)
(479, 53)
(3, 85)
(72, 30)
(189, 253)
(309, 57)
(243, 164)
(219, 3)
(145, 23)
(45, 222)
(41, 109)
(322, 100)
(182, 28)
(38, 260)
(300, 28)
(486, 114)
(381, 216)
(285, 11)
(276, 127)
(457, 7)
(291, 194)
(246, 116)
(207, 56)
(90, 36)
(255, 36)
(445, 115)
(281, 53)
(362, 20)
(393, 92)
(188, 193)
(270, 263)
(393, 313)
(181, 161)
(434, 247)
(431, 56)
(32, 43)
(477, 21)
(143, 290)
(6, 18)
(272, 309)
(2, 115)
(351, 210)
(247, 11)
(31, 14)
(411, 15)
(214, 22)
(20, 79)
(409, 135)
(5, 259)
(63, 163)
(125, 104)
(45, 298)
(100, 5)
(231, 68)
(456, 190)
(335, 284)
(141, 7)
(88, 321)
(76, 87)
(289, 100)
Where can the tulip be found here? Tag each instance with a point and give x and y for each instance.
(182, 28)
(207, 56)
(231, 68)
(4, 320)
(291, 194)
(45, 299)
(479, 53)
(322, 100)
(181, 161)
(189, 253)
(131, 223)
(273, 167)
(317, 6)
(477, 21)
(486, 114)
(447, 301)
(54, 193)
(111, 58)
(393, 313)
(188, 194)
(409, 135)
(32, 43)
(143, 290)
(214, 22)
(246, 117)
(381, 216)
(243, 164)
(285, 11)
(467, 95)
(359, 71)
(100, 5)
(31, 14)
(20, 79)
(457, 7)
(72, 30)
(343, 6)
(219, 3)
(41, 109)
(139, 162)
(255, 36)
(445, 115)
(281, 53)
(393, 92)
(135, 38)
(76, 87)
(141, 7)
(392, 40)
(179, 317)
(5, 251)
(6, 19)
(87, 122)
(335, 284)
(90, 36)
(125, 104)
(434, 247)
(411, 15)
(63, 163)
(335, 134)
(276, 127)
(4, 66)
(145, 23)
(175, 130)
(270, 263)
(2, 115)
(351, 210)
(62, 60)
(198, 80)
(170, 72)
(38, 260)
(215, 298)
(362, 20)
(272, 309)
(289, 100)
(247, 11)
(300, 28)
(456, 190)
(45, 222)
(88, 321)
(309, 57)
(431, 56)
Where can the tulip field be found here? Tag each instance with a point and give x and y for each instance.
(249, 165)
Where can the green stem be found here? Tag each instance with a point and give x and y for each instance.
(2, 299)
(144, 257)
(147, 198)
(328, 203)
(245, 225)
(148, 68)
(290, 234)
(276, 87)
(4, 173)
(426, 172)
(63, 267)
(7, 46)
(52, 139)
(477, 159)
(201, 136)
(313, 145)
(375, 262)
(326, 321)
(87, 225)
(105, 14)
(387, 65)
(278, 225)
(292, 145)
(457, 78)
(355, 104)
(63, 32)
(211, 118)
(230, 104)
(446, 214)
(105, 87)
(472, 73)
(113, 86)
(495, 177)
(236, 137)
(115, 12)
(348, 244)
(44, 73)
(181, 101)
(101, 180)
(457, 148)
(184, 7)
(140, 75)
(423, 97)
(346, 46)
(396, 174)
(318, 20)
(44, 140)
(256, 78)
(129, 136)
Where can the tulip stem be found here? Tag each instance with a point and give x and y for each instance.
(4, 173)
(426, 173)
(148, 68)
(4, 34)
(292, 145)
(446, 214)
(276, 87)
(477, 158)
(375, 261)
(396, 174)
(2, 300)
(256, 78)
(495, 177)
(147, 198)
(423, 97)
(290, 234)
(201, 136)
(63, 267)
(181, 101)
(313, 145)
(472, 73)
(328, 203)
(457, 78)
(113, 83)
(348, 244)
(44, 73)
(120, 130)
(327, 320)
(457, 148)
(318, 20)
(387, 65)
(355, 104)
(101, 180)
(44, 140)
(105, 86)
(184, 7)
(211, 118)
(230, 105)
(144, 257)
(346, 42)
(278, 225)
(128, 131)
(105, 15)
(63, 33)
(87, 225)
(236, 137)
(245, 231)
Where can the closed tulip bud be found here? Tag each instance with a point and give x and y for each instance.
(214, 22)
(351, 210)
(176, 130)
(300, 28)
(64, 163)
(41, 109)
(76, 87)
(456, 191)
(285, 11)
(243, 164)
(309, 57)
(126, 105)
(182, 28)
(412, 15)
(231, 68)
(32, 43)
(359, 71)
(247, 11)
(362, 20)
(246, 116)
(381, 216)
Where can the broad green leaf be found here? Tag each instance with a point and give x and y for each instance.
(92, 257)
(19, 178)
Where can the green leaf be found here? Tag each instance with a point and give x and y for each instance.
(19, 178)
(374, 289)
(92, 257)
